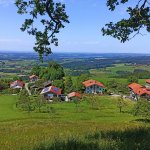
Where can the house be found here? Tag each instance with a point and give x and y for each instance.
(148, 84)
(93, 87)
(17, 84)
(137, 91)
(74, 94)
(33, 78)
(50, 92)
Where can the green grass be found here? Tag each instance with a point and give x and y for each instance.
(23, 130)
(109, 73)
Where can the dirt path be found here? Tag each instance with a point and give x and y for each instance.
(26, 87)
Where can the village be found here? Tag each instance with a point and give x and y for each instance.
(50, 91)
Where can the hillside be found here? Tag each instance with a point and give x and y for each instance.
(27, 130)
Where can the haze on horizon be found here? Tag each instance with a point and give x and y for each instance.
(83, 34)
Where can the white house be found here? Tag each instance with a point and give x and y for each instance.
(93, 87)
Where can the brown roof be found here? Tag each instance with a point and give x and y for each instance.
(74, 94)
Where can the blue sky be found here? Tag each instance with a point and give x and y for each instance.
(83, 34)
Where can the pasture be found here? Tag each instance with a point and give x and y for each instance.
(23, 130)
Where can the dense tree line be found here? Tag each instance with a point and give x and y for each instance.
(54, 71)
(137, 73)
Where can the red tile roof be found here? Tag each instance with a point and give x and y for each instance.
(134, 86)
(148, 81)
(74, 94)
(17, 83)
(138, 89)
(141, 91)
(92, 82)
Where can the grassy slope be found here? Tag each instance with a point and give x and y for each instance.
(20, 129)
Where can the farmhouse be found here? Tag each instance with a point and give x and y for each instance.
(137, 91)
(74, 94)
(17, 84)
(33, 78)
(93, 87)
(50, 92)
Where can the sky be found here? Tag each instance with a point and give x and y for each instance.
(83, 34)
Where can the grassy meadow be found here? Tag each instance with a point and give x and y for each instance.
(86, 125)
(110, 73)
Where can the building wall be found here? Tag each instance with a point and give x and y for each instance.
(94, 89)
(133, 95)
(50, 95)
(147, 85)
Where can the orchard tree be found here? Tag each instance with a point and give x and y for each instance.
(142, 108)
(121, 103)
(39, 101)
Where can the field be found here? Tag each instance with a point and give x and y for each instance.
(92, 124)
(23, 130)
(110, 73)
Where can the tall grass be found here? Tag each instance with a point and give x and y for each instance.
(128, 139)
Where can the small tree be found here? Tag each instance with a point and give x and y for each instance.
(121, 103)
(142, 108)
(25, 101)
(39, 102)
(93, 101)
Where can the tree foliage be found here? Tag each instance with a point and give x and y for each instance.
(54, 71)
(121, 103)
(52, 16)
(25, 102)
(132, 79)
(125, 29)
(78, 86)
(68, 84)
(36, 70)
(142, 108)
(59, 83)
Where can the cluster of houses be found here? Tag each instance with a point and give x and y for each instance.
(49, 91)
(91, 87)
(137, 91)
